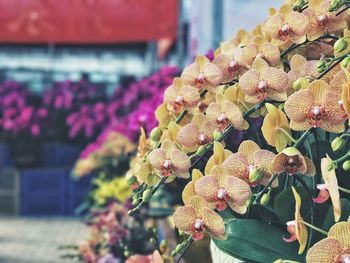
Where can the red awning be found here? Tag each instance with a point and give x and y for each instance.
(87, 21)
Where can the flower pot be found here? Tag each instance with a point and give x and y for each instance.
(219, 256)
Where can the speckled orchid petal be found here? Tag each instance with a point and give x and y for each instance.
(270, 53)
(297, 106)
(184, 217)
(214, 224)
(345, 98)
(207, 187)
(298, 63)
(248, 148)
(331, 181)
(277, 79)
(188, 135)
(299, 24)
(181, 163)
(324, 251)
(237, 165)
(341, 231)
(300, 229)
(239, 192)
(249, 81)
(198, 203)
(233, 113)
(273, 24)
(259, 64)
(335, 115)
(339, 80)
(156, 158)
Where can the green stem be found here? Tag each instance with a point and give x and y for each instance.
(189, 242)
(142, 203)
(344, 190)
(274, 177)
(341, 159)
(315, 228)
(337, 61)
(302, 138)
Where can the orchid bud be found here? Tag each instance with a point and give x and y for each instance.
(147, 195)
(337, 144)
(345, 62)
(321, 66)
(201, 151)
(346, 165)
(127, 253)
(340, 45)
(255, 175)
(265, 199)
(156, 134)
(300, 83)
(217, 135)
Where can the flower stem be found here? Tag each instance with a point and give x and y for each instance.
(315, 228)
(344, 190)
(302, 138)
(265, 188)
(341, 159)
(189, 242)
(336, 62)
(142, 203)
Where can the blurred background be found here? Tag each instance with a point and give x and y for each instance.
(71, 73)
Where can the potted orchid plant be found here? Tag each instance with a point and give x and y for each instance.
(279, 190)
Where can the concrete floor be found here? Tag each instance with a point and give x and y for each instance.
(37, 240)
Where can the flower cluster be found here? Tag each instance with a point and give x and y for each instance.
(292, 73)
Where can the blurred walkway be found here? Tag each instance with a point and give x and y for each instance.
(36, 240)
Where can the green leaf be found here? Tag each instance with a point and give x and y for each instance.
(329, 218)
(253, 240)
(285, 204)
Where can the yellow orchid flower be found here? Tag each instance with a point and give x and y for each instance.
(222, 188)
(179, 96)
(202, 74)
(275, 128)
(322, 21)
(296, 228)
(197, 218)
(330, 188)
(251, 164)
(262, 82)
(224, 113)
(316, 106)
(198, 132)
(287, 27)
(169, 160)
(335, 248)
(291, 161)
